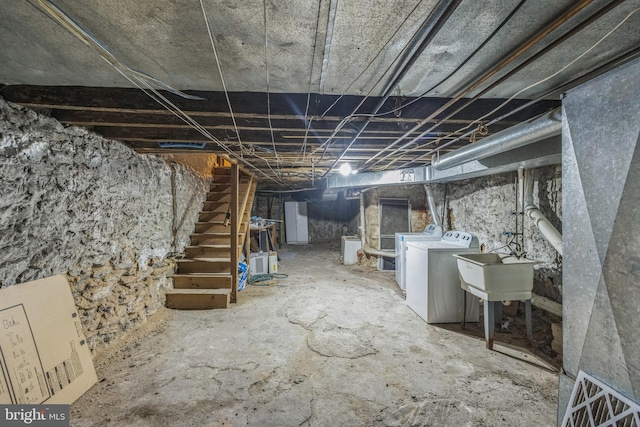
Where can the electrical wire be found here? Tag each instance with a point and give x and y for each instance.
(65, 20)
(467, 59)
(143, 80)
(504, 21)
(224, 85)
(303, 148)
(162, 100)
(462, 64)
(266, 69)
(400, 69)
(475, 84)
(383, 49)
(346, 119)
(511, 98)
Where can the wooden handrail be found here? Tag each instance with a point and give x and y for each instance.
(245, 200)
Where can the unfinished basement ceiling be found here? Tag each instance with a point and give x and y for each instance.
(304, 78)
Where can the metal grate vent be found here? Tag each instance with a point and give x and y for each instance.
(595, 404)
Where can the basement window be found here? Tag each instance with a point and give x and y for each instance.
(395, 217)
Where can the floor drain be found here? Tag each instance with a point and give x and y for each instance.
(594, 403)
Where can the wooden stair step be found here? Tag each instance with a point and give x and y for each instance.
(219, 179)
(217, 226)
(216, 206)
(208, 250)
(207, 215)
(212, 238)
(198, 299)
(223, 183)
(218, 197)
(202, 281)
(212, 234)
(204, 265)
(215, 203)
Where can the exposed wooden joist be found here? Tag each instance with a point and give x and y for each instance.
(119, 99)
(130, 116)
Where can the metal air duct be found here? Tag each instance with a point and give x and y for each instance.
(542, 127)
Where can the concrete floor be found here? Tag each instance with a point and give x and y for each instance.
(330, 345)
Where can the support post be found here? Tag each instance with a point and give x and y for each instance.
(489, 323)
(527, 311)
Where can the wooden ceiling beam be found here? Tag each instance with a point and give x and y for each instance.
(121, 99)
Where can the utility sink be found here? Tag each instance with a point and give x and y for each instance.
(496, 277)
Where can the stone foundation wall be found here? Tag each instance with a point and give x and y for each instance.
(485, 206)
(420, 214)
(74, 203)
(328, 220)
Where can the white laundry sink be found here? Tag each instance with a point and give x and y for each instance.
(496, 277)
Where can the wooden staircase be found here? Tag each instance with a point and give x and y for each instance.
(205, 277)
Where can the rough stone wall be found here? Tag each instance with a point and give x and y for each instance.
(328, 219)
(420, 214)
(74, 203)
(484, 207)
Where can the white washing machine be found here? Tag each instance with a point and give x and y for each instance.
(433, 283)
(431, 232)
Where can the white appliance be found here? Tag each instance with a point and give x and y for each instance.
(273, 262)
(259, 263)
(350, 245)
(431, 232)
(296, 223)
(433, 283)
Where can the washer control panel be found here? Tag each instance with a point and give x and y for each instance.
(460, 238)
(433, 230)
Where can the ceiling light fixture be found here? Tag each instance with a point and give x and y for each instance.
(345, 169)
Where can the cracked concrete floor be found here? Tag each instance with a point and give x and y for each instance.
(330, 345)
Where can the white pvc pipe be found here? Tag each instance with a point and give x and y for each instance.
(546, 304)
(544, 225)
(546, 228)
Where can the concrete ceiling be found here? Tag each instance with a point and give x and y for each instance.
(308, 57)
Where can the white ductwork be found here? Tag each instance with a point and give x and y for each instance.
(542, 127)
(431, 201)
(544, 225)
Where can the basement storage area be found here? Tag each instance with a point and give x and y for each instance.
(328, 213)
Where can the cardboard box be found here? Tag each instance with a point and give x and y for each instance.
(44, 356)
